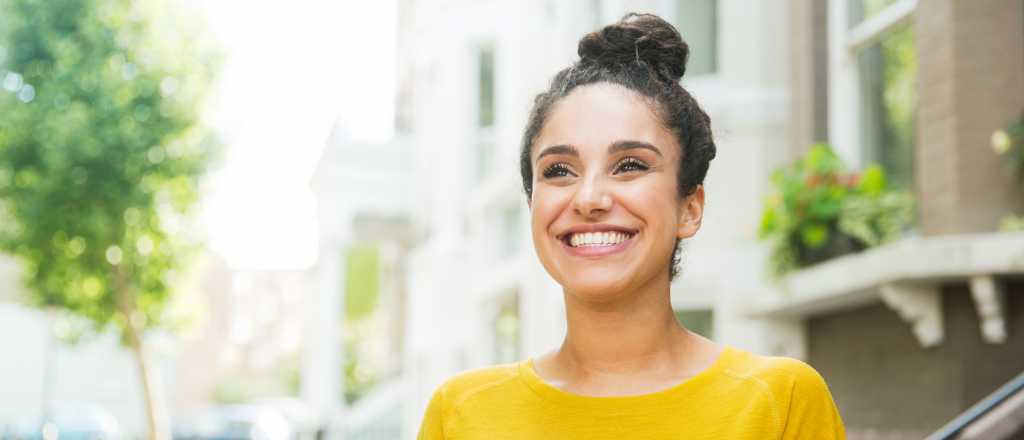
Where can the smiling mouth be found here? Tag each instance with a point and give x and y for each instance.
(596, 239)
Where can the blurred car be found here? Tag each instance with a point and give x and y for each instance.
(235, 422)
(67, 422)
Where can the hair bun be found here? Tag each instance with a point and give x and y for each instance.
(638, 37)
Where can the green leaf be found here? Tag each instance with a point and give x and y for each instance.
(768, 223)
(872, 181)
(814, 235)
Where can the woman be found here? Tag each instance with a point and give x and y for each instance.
(613, 160)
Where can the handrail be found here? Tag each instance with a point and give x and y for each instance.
(952, 429)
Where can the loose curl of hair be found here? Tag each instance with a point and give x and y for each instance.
(647, 55)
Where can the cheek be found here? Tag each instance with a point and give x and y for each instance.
(546, 206)
(653, 200)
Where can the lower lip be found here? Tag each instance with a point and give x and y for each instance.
(597, 251)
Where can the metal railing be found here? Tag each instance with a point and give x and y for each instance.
(953, 429)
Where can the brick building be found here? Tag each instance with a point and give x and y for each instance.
(910, 335)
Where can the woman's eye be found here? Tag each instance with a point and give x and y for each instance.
(556, 170)
(630, 164)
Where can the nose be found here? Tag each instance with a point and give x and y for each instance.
(591, 198)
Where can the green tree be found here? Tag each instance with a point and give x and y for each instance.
(101, 152)
(362, 292)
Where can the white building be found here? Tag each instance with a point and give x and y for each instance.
(363, 197)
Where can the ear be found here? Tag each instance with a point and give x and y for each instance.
(691, 212)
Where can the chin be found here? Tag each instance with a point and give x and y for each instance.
(597, 284)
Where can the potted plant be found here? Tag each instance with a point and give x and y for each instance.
(1009, 143)
(818, 210)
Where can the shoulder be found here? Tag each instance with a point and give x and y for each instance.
(472, 383)
(799, 395)
(778, 375)
(439, 417)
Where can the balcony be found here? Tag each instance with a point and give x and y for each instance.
(907, 276)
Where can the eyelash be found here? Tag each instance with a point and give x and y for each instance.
(637, 164)
(561, 168)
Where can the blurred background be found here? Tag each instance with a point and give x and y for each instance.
(293, 220)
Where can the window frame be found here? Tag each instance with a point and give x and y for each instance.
(844, 44)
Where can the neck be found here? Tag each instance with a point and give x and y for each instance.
(637, 331)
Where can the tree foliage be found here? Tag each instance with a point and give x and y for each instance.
(101, 152)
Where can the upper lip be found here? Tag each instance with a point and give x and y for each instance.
(594, 227)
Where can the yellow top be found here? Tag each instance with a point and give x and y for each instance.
(740, 396)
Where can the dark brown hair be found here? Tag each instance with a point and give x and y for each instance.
(647, 55)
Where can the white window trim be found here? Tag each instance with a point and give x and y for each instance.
(844, 106)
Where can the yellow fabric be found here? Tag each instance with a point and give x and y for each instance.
(741, 396)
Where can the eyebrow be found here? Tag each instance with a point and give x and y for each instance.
(620, 146)
(615, 147)
(567, 150)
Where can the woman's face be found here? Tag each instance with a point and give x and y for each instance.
(605, 210)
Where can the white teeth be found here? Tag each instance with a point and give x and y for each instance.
(598, 238)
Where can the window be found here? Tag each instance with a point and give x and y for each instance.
(697, 21)
(873, 76)
(485, 110)
(597, 9)
(887, 70)
(485, 86)
(861, 10)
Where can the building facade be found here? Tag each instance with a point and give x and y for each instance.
(355, 293)
(931, 324)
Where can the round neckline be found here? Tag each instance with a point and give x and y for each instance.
(550, 392)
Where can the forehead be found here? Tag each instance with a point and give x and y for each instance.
(591, 117)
